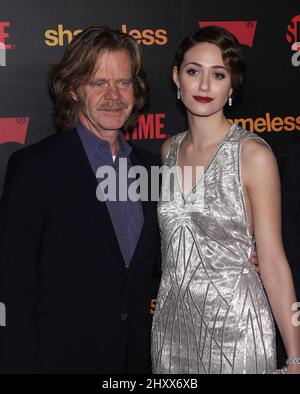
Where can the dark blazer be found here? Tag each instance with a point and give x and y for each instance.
(72, 306)
(291, 211)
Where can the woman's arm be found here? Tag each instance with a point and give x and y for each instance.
(261, 181)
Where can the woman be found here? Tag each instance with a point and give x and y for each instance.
(212, 313)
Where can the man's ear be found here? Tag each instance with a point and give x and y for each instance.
(74, 95)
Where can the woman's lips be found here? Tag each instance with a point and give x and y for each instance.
(203, 99)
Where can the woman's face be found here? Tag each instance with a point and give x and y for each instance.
(204, 80)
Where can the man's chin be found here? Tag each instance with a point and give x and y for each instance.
(110, 127)
(113, 122)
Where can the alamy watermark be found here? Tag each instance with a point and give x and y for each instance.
(2, 54)
(2, 315)
(136, 183)
(296, 56)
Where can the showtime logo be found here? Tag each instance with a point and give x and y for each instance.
(4, 36)
(61, 36)
(149, 127)
(244, 31)
(13, 130)
(4, 45)
(293, 38)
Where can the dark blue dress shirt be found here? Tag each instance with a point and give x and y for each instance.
(127, 216)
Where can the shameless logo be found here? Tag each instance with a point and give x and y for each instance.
(244, 31)
(293, 38)
(60, 35)
(13, 130)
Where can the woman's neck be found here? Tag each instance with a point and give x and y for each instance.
(205, 131)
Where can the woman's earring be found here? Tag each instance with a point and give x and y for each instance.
(178, 93)
(230, 101)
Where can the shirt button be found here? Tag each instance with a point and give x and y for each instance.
(124, 316)
(122, 232)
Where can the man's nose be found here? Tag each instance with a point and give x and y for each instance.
(112, 92)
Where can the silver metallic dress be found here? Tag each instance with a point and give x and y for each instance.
(212, 314)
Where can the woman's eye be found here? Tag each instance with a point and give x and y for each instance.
(192, 72)
(219, 75)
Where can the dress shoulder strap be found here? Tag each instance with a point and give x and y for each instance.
(239, 135)
(171, 156)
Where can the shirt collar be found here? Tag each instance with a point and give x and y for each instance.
(93, 144)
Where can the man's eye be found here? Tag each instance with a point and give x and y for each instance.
(98, 84)
(123, 83)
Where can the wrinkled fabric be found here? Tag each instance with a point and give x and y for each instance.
(212, 314)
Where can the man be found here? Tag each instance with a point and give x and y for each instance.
(77, 275)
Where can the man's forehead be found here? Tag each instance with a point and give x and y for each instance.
(116, 60)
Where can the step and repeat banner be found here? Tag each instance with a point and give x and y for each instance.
(34, 33)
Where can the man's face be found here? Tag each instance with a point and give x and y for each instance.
(107, 99)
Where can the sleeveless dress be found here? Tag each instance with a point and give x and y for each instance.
(212, 314)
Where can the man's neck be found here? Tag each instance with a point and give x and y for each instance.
(111, 136)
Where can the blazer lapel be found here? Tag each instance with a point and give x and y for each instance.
(81, 173)
(149, 208)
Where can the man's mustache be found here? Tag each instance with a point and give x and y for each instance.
(113, 106)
